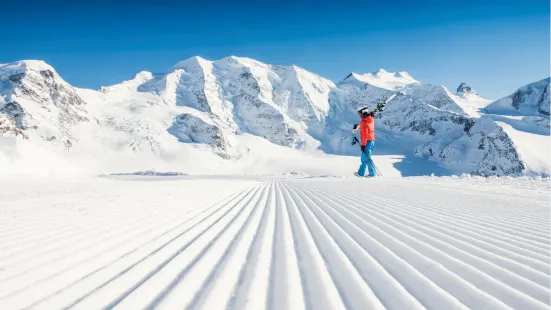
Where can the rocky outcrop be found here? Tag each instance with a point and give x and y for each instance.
(464, 89)
(9, 128)
(190, 128)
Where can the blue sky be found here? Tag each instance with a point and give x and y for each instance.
(495, 46)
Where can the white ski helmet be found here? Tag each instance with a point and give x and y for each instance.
(363, 110)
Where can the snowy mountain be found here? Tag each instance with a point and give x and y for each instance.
(211, 106)
(465, 90)
(531, 99)
(36, 101)
(524, 116)
(236, 95)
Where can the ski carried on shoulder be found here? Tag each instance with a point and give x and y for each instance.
(381, 105)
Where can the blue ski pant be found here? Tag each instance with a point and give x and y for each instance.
(367, 161)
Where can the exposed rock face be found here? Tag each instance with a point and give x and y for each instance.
(544, 101)
(189, 128)
(8, 127)
(465, 89)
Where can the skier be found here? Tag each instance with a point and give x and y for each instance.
(367, 135)
(367, 141)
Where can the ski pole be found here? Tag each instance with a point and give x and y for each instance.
(376, 169)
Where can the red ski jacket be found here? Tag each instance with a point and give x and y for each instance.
(367, 130)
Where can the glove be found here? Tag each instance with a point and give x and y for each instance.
(363, 148)
(355, 128)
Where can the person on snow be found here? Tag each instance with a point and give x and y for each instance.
(367, 141)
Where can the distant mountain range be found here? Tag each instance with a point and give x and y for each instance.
(210, 104)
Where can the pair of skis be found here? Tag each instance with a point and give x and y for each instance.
(381, 105)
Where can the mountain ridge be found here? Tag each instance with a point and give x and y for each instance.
(209, 104)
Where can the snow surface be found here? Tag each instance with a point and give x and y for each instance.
(471, 103)
(175, 242)
(260, 158)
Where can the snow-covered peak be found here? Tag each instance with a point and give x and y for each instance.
(27, 74)
(27, 65)
(352, 78)
(191, 62)
(403, 74)
(469, 100)
(383, 74)
(464, 89)
(382, 79)
(532, 100)
(139, 79)
(22, 66)
(143, 76)
(234, 61)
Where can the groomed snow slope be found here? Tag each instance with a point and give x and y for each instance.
(325, 243)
